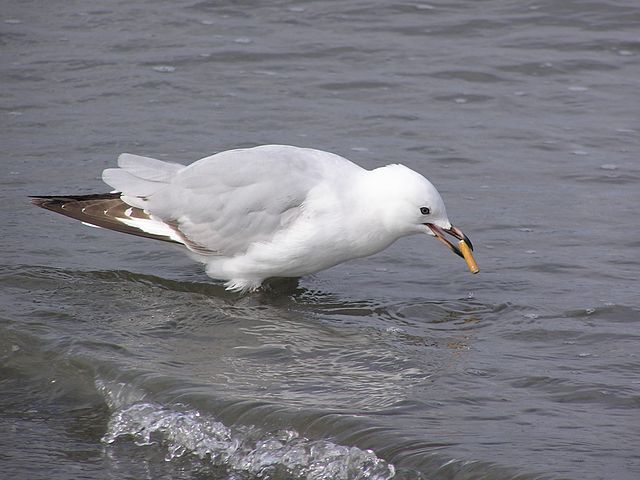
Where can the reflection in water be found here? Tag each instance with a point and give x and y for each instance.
(302, 349)
(306, 348)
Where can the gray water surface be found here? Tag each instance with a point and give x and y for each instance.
(120, 358)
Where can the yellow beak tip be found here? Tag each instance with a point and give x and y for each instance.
(468, 257)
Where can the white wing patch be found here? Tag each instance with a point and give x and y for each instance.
(143, 221)
(152, 227)
(87, 224)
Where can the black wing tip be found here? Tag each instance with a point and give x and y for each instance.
(100, 210)
(38, 201)
(41, 200)
(48, 202)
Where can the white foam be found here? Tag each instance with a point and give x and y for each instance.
(190, 433)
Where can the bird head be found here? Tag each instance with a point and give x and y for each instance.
(411, 204)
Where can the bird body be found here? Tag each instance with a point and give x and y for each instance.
(268, 211)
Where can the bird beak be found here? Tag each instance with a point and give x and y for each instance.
(460, 250)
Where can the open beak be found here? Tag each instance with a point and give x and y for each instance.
(464, 247)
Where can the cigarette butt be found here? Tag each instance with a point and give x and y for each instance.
(468, 256)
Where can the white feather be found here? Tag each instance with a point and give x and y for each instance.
(90, 225)
(152, 227)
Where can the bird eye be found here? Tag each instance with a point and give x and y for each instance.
(425, 210)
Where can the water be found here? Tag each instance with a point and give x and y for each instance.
(121, 359)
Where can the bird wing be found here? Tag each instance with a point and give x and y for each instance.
(107, 210)
(221, 204)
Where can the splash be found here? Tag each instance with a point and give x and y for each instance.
(280, 454)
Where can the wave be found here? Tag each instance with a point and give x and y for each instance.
(239, 449)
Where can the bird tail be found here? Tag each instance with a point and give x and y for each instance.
(137, 178)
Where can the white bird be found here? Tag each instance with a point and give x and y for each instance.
(264, 212)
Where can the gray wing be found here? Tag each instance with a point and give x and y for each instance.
(223, 203)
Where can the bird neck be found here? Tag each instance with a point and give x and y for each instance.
(379, 202)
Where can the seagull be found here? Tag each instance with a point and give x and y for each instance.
(266, 212)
